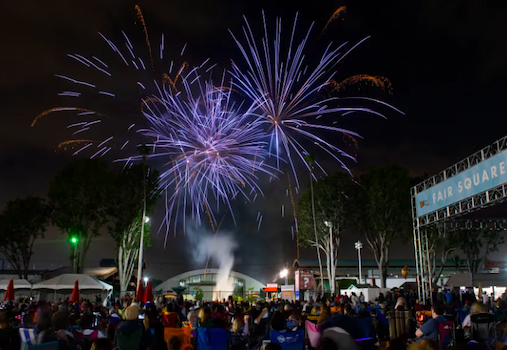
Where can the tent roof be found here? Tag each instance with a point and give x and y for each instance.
(18, 284)
(66, 281)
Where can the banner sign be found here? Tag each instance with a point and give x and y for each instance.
(482, 177)
(286, 288)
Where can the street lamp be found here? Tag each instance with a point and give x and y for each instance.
(146, 220)
(146, 279)
(359, 245)
(285, 274)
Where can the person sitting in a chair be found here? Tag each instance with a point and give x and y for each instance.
(429, 330)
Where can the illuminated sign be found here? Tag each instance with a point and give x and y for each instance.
(482, 177)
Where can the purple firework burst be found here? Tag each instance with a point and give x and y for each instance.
(213, 147)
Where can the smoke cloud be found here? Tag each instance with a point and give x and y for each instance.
(220, 249)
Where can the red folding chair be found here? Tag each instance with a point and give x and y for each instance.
(445, 334)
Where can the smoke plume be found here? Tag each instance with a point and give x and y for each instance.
(220, 249)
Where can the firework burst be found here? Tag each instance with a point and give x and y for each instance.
(209, 145)
(289, 92)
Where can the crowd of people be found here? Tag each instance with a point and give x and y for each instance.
(328, 323)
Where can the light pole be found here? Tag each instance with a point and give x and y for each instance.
(144, 150)
(285, 274)
(74, 242)
(359, 246)
(331, 260)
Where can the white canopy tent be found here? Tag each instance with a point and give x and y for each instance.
(18, 284)
(22, 288)
(60, 287)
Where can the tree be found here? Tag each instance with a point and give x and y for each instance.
(441, 242)
(382, 209)
(21, 223)
(331, 205)
(310, 159)
(125, 210)
(477, 245)
(79, 197)
(199, 294)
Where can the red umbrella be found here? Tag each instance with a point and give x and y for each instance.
(148, 293)
(74, 298)
(9, 293)
(140, 292)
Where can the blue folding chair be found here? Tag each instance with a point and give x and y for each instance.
(53, 345)
(288, 340)
(213, 338)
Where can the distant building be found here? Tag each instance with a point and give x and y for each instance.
(206, 280)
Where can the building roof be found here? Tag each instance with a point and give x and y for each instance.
(175, 280)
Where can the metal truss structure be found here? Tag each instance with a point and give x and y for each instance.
(465, 206)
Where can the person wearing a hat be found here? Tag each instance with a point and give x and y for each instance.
(133, 324)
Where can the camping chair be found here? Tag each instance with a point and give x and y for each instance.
(183, 333)
(313, 318)
(170, 319)
(445, 333)
(313, 334)
(400, 324)
(28, 336)
(482, 327)
(128, 342)
(85, 340)
(288, 340)
(341, 338)
(212, 338)
(54, 345)
(335, 309)
(367, 336)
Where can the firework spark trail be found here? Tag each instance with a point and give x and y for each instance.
(145, 29)
(260, 222)
(377, 81)
(335, 15)
(64, 144)
(286, 105)
(60, 109)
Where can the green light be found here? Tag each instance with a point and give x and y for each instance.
(74, 240)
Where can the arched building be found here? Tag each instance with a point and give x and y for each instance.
(206, 280)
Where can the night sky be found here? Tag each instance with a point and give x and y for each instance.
(447, 61)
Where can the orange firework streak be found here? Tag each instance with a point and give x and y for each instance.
(167, 79)
(60, 109)
(335, 15)
(71, 142)
(295, 217)
(146, 100)
(183, 66)
(141, 18)
(377, 81)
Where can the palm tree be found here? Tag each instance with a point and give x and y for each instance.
(310, 159)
